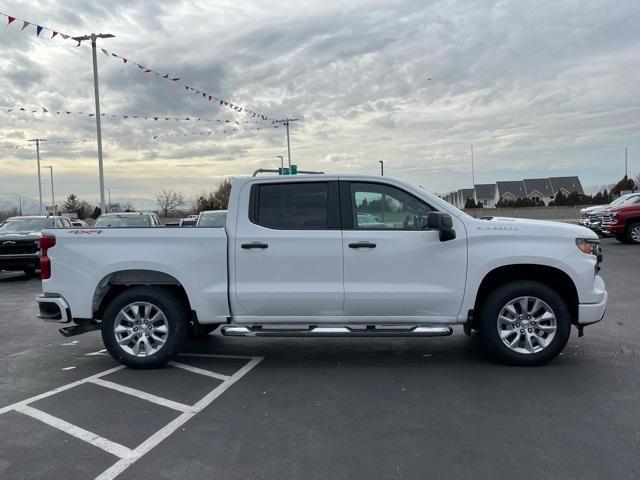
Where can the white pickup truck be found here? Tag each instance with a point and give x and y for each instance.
(325, 255)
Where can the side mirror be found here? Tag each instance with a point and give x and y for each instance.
(443, 223)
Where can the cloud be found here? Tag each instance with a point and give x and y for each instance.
(534, 85)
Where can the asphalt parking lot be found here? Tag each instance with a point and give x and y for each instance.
(259, 408)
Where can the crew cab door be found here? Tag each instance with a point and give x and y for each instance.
(288, 253)
(393, 267)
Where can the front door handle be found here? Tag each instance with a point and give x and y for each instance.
(362, 245)
(254, 245)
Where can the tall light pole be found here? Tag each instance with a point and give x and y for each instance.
(93, 38)
(38, 140)
(473, 174)
(286, 122)
(19, 202)
(109, 190)
(53, 197)
(625, 161)
(381, 168)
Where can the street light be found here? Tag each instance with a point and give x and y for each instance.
(38, 140)
(93, 38)
(109, 190)
(19, 202)
(281, 161)
(53, 199)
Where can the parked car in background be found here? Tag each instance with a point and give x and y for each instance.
(127, 219)
(294, 260)
(212, 218)
(189, 221)
(623, 221)
(19, 241)
(591, 217)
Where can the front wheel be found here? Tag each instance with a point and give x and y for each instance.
(525, 323)
(633, 233)
(144, 327)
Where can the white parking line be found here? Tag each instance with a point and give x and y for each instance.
(181, 407)
(96, 440)
(128, 456)
(35, 398)
(155, 439)
(199, 371)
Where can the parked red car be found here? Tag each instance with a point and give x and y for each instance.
(623, 222)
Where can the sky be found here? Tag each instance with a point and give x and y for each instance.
(541, 88)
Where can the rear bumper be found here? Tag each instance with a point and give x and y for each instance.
(19, 261)
(53, 308)
(589, 313)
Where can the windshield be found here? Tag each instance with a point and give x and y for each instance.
(119, 221)
(213, 219)
(26, 225)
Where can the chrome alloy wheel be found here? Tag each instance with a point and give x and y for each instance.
(527, 325)
(635, 234)
(141, 329)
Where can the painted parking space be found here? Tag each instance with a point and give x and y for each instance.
(117, 416)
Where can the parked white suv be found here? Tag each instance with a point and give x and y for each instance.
(298, 258)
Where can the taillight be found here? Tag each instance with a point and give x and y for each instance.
(46, 242)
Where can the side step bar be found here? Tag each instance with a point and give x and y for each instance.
(338, 331)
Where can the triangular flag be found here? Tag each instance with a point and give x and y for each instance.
(187, 87)
(210, 97)
(54, 34)
(175, 79)
(155, 119)
(25, 24)
(91, 114)
(147, 70)
(125, 116)
(124, 60)
(165, 76)
(140, 66)
(114, 55)
(64, 36)
(11, 19)
(38, 30)
(105, 52)
(44, 110)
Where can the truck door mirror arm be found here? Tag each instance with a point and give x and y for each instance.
(443, 223)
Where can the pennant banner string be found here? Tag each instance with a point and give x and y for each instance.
(174, 79)
(155, 118)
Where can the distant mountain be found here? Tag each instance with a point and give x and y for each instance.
(8, 201)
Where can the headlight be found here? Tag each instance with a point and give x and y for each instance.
(589, 246)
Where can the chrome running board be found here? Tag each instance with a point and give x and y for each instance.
(337, 331)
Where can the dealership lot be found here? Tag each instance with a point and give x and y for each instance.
(247, 408)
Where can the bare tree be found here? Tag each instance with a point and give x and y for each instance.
(169, 200)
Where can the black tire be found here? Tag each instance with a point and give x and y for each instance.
(635, 226)
(504, 294)
(199, 331)
(176, 319)
(621, 238)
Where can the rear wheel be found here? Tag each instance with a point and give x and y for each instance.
(144, 327)
(633, 233)
(525, 323)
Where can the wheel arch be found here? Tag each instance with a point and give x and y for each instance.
(116, 282)
(552, 277)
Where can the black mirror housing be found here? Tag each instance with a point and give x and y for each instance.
(443, 223)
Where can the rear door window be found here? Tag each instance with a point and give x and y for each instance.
(295, 206)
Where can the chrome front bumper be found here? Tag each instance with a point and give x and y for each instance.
(53, 308)
(589, 313)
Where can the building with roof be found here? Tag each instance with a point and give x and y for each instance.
(510, 190)
(566, 185)
(536, 189)
(485, 193)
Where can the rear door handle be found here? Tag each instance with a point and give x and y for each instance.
(362, 245)
(254, 245)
